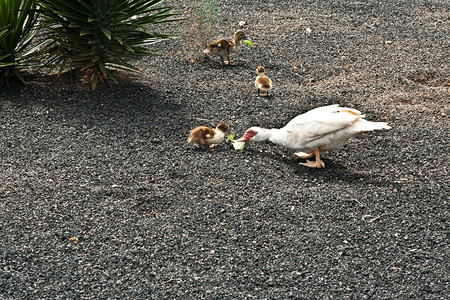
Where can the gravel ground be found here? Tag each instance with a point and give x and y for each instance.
(101, 196)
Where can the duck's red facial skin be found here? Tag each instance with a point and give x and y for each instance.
(248, 135)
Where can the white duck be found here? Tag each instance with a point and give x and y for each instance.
(318, 130)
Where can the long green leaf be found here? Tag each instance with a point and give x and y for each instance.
(17, 29)
(107, 33)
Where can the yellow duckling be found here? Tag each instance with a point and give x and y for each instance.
(225, 47)
(208, 137)
(262, 82)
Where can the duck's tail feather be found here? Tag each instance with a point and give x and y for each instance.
(364, 125)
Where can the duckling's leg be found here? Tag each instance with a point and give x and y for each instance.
(228, 59)
(259, 93)
(212, 147)
(316, 164)
(221, 60)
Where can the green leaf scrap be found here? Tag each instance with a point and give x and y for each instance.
(237, 145)
(248, 43)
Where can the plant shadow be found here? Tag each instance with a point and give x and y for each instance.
(130, 103)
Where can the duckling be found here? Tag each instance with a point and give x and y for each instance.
(262, 82)
(208, 137)
(224, 47)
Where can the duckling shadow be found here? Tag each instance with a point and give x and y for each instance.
(263, 97)
(216, 65)
(200, 150)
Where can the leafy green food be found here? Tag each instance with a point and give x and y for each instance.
(237, 145)
(248, 43)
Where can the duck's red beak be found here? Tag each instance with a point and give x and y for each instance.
(242, 139)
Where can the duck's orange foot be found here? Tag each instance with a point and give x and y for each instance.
(314, 164)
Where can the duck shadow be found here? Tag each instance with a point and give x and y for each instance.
(334, 171)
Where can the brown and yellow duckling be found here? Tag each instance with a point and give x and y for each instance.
(262, 82)
(208, 137)
(225, 47)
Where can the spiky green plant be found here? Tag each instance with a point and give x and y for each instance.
(17, 29)
(97, 35)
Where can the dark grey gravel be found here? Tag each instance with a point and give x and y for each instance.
(102, 198)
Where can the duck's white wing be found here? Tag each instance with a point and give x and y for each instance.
(312, 113)
(321, 121)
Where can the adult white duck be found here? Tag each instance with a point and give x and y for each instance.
(321, 129)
